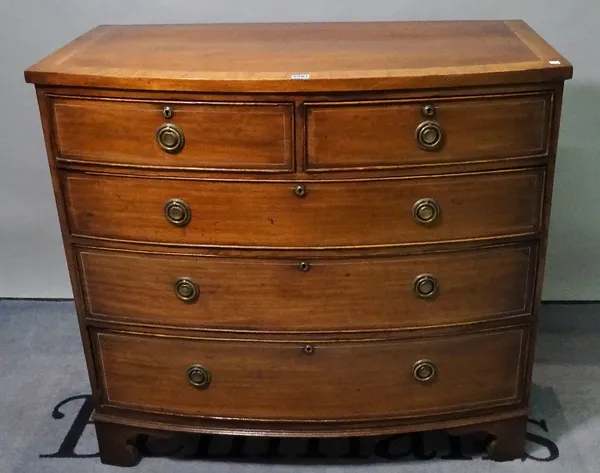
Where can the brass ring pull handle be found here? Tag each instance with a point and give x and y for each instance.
(426, 286)
(429, 135)
(186, 290)
(199, 376)
(424, 370)
(170, 138)
(177, 212)
(425, 211)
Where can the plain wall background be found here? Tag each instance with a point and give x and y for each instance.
(31, 256)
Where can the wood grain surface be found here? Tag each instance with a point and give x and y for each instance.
(332, 214)
(303, 57)
(230, 135)
(342, 380)
(372, 134)
(335, 294)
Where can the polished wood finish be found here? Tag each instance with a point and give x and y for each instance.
(304, 241)
(335, 381)
(504, 440)
(355, 428)
(337, 56)
(123, 132)
(254, 214)
(343, 135)
(117, 444)
(508, 442)
(346, 294)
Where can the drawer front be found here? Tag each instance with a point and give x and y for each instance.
(332, 214)
(321, 381)
(386, 134)
(212, 135)
(332, 295)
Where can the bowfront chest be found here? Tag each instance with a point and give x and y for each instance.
(305, 229)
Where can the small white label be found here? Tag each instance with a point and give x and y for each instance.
(300, 76)
(554, 62)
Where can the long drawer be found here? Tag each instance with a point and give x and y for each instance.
(311, 381)
(323, 294)
(399, 211)
(171, 134)
(364, 135)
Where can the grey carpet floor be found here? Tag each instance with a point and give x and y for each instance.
(41, 365)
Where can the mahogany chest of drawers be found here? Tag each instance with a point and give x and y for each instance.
(305, 229)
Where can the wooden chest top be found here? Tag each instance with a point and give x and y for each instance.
(303, 57)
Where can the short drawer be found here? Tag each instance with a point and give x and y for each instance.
(323, 294)
(318, 215)
(366, 135)
(311, 381)
(231, 136)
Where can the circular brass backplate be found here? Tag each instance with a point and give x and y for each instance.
(199, 376)
(177, 212)
(426, 211)
(170, 138)
(426, 286)
(429, 135)
(424, 371)
(186, 290)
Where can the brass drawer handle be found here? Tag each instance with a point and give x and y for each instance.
(177, 212)
(186, 290)
(426, 286)
(300, 191)
(424, 371)
(199, 376)
(170, 138)
(426, 211)
(429, 135)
